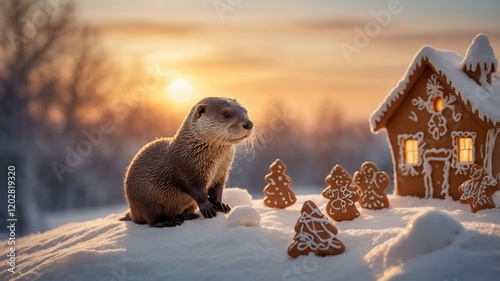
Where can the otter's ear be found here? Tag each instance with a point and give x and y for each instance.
(200, 109)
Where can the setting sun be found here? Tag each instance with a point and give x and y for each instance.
(180, 90)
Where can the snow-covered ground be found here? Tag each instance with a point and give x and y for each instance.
(415, 239)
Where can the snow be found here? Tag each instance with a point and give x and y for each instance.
(484, 100)
(429, 231)
(480, 54)
(108, 249)
(243, 216)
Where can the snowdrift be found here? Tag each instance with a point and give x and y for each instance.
(415, 239)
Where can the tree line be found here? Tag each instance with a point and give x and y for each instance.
(72, 117)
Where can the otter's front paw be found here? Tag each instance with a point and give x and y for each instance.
(208, 210)
(225, 208)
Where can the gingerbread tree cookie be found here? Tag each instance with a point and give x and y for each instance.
(314, 233)
(342, 195)
(478, 190)
(372, 185)
(278, 193)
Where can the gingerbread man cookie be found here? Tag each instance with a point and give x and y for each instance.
(478, 190)
(278, 193)
(372, 185)
(314, 233)
(342, 195)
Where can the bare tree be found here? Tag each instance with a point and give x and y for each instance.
(52, 74)
(30, 39)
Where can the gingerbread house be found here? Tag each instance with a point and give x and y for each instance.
(443, 117)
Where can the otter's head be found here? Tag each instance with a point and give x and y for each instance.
(222, 120)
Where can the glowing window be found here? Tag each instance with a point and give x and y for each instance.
(438, 104)
(411, 151)
(465, 150)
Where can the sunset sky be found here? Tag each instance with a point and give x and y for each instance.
(259, 51)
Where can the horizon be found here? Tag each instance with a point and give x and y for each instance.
(306, 54)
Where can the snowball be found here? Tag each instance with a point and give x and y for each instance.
(244, 216)
(427, 232)
(236, 196)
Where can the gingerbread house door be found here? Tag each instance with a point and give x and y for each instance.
(436, 173)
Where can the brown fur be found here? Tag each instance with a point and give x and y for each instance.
(170, 177)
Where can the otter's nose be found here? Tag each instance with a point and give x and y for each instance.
(248, 125)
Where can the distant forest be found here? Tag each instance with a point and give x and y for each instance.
(72, 118)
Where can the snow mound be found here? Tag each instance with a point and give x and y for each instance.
(236, 196)
(429, 231)
(435, 246)
(244, 216)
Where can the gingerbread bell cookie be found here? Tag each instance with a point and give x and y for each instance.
(314, 234)
(477, 191)
(278, 192)
(372, 186)
(342, 195)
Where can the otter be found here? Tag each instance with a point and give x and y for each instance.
(170, 178)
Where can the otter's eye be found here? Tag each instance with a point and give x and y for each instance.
(226, 115)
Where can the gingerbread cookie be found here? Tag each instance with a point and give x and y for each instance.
(478, 190)
(342, 195)
(278, 193)
(372, 185)
(314, 233)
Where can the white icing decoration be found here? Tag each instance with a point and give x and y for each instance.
(341, 195)
(279, 166)
(443, 155)
(410, 169)
(491, 137)
(280, 189)
(308, 234)
(371, 184)
(484, 101)
(268, 201)
(475, 188)
(413, 116)
(437, 125)
(462, 168)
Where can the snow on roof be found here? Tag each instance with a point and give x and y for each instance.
(484, 100)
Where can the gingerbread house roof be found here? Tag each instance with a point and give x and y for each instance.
(482, 100)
